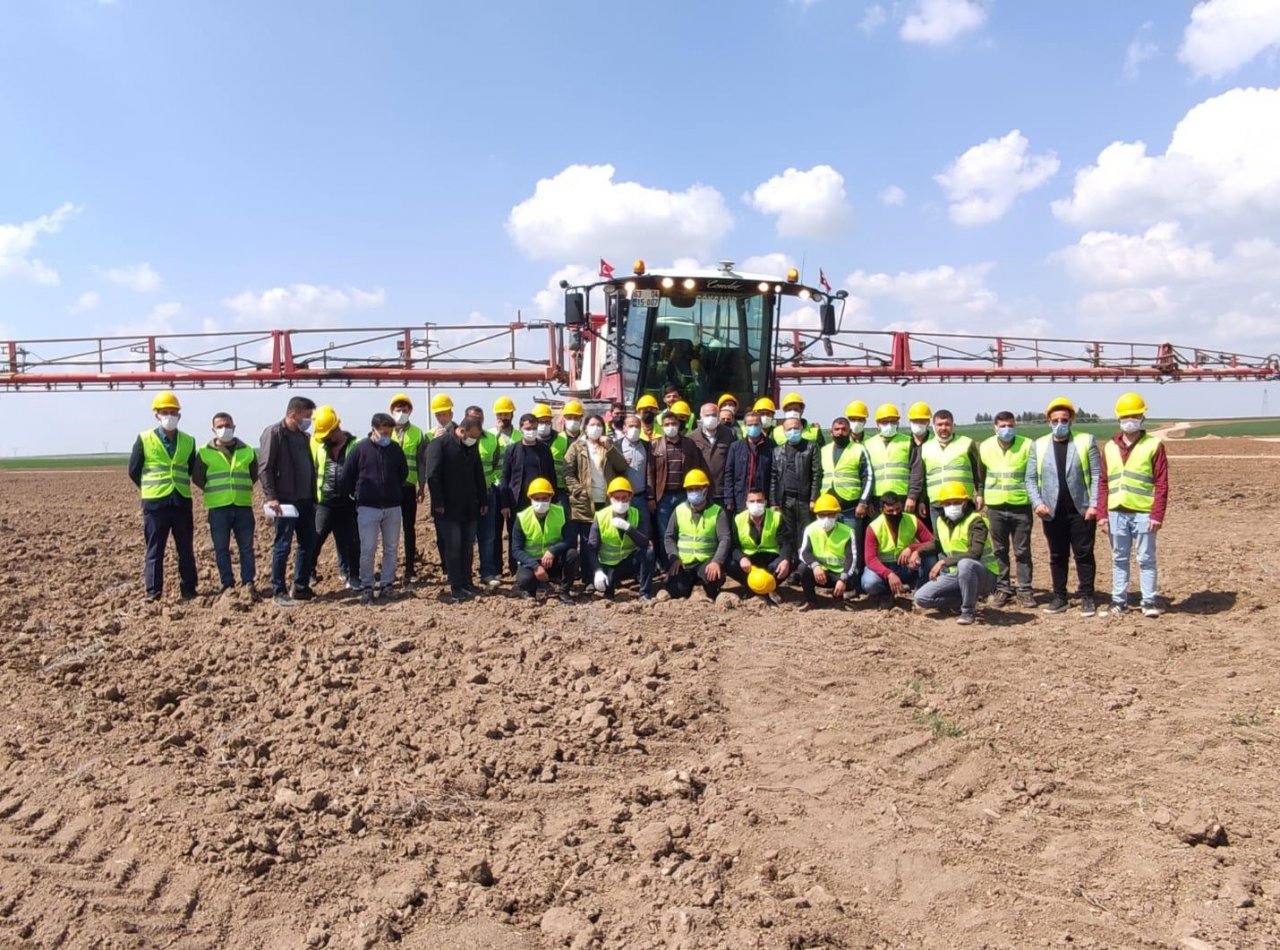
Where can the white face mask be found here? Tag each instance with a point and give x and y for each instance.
(888, 429)
(755, 508)
(401, 417)
(919, 428)
(1130, 426)
(594, 432)
(827, 522)
(573, 426)
(529, 436)
(168, 423)
(791, 414)
(468, 441)
(619, 507)
(633, 433)
(696, 496)
(544, 429)
(767, 421)
(305, 425)
(225, 433)
(857, 426)
(953, 512)
(711, 423)
(671, 431)
(540, 507)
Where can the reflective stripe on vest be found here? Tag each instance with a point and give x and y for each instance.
(1082, 440)
(843, 476)
(541, 534)
(1006, 481)
(949, 464)
(1131, 483)
(559, 445)
(320, 456)
(696, 541)
(891, 462)
(227, 480)
(768, 543)
(409, 438)
(615, 547)
(829, 550)
(162, 475)
(890, 547)
(956, 541)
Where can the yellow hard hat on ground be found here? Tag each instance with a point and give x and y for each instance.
(919, 412)
(792, 399)
(573, 408)
(540, 411)
(727, 397)
(503, 404)
(621, 483)
(1061, 402)
(764, 404)
(953, 491)
(400, 398)
(324, 420)
(696, 478)
(166, 400)
(761, 581)
(887, 410)
(441, 403)
(647, 401)
(856, 410)
(1130, 404)
(828, 504)
(681, 408)
(540, 486)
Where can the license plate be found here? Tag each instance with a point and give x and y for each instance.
(645, 298)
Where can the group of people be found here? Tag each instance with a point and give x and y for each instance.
(669, 500)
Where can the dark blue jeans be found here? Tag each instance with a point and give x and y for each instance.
(303, 528)
(666, 507)
(223, 522)
(486, 530)
(157, 525)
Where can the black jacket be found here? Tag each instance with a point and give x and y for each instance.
(520, 462)
(374, 473)
(286, 470)
(455, 478)
(799, 464)
(735, 472)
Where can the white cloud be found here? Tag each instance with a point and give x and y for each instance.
(893, 196)
(1108, 259)
(938, 22)
(775, 264)
(141, 278)
(302, 304)
(983, 183)
(945, 292)
(158, 320)
(1223, 163)
(1223, 35)
(582, 213)
(549, 302)
(18, 240)
(87, 301)
(808, 204)
(1140, 50)
(873, 17)
(1130, 307)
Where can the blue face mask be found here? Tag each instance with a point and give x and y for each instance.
(1005, 433)
(697, 497)
(753, 431)
(384, 440)
(795, 435)
(1061, 429)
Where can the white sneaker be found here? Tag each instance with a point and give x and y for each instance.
(1150, 610)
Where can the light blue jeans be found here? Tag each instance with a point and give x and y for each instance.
(374, 522)
(1125, 527)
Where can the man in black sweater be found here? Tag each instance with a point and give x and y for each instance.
(374, 472)
(455, 478)
(287, 474)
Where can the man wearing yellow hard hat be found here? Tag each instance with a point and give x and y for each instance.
(335, 510)
(760, 544)
(948, 457)
(413, 442)
(793, 408)
(895, 460)
(225, 471)
(727, 406)
(442, 409)
(647, 408)
(966, 569)
(827, 555)
(545, 557)
(768, 414)
(160, 464)
(846, 474)
(1064, 477)
(856, 412)
(1005, 456)
(1134, 494)
(504, 430)
(698, 540)
(618, 547)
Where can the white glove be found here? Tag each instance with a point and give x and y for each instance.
(622, 524)
(602, 581)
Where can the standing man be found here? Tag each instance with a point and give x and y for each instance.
(161, 465)
(697, 540)
(671, 395)
(489, 526)
(918, 416)
(636, 451)
(671, 458)
(793, 408)
(826, 554)
(288, 475)
(894, 461)
(557, 443)
(966, 568)
(335, 509)
(846, 474)
(1064, 472)
(650, 428)
(442, 409)
(728, 408)
(713, 441)
(455, 479)
(797, 478)
(225, 471)
(856, 412)
(749, 465)
(414, 443)
(539, 546)
(375, 472)
(1134, 492)
(949, 459)
(504, 411)
(1005, 456)
(526, 461)
(768, 416)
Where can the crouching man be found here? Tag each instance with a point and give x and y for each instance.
(895, 565)
(967, 569)
(544, 557)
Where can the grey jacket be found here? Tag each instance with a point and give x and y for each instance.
(1043, 486)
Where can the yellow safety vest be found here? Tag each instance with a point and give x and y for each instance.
(843, 476)
(949, 464)
(541, 533)
(830, 549)
(810, 432)
(227, 480)
(768, 533)
(1006, 481)
(890, 547)
(1083, 440)
(615, 546)
(956, 540)
(891, 462)
(490, 458)
(162, 474)
(504, 443)
(409, 438)
(1131, 483)
(696, 541)
(559, 446)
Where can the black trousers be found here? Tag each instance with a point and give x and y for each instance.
(409, 520)
(1011, 528)
(1069, 534)
(682, 584)
(765, 559)
(810, 583)
(157, 525)
(339, 521)
(562, 573)
(458, 541)
(796, 515)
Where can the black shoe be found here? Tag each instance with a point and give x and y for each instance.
(1026, 599)
(565, 598)
(366, 596)
(1001, 598)
(283, 600)
(887, 602)
(1087, 607)
(303, 593)
(152, 596)
(188, 595)
(1057, 604)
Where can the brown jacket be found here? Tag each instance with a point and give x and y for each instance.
(658, 450)
(577, 475)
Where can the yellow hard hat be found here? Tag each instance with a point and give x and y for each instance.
(647, 401)
(887, 410)
(324, 420)
(681, 408)
(856, 410)
(761, 581)
(573, 408)
(166, 400)
(540, 486)
(400, 398)
(441, 403)
(727, 397)
(540, 410)
(953, 491)
(764, 404)
(503, 404)
(1130, 404)
(621, 483)
(919, 411)
(792, 399)
(1061, 402)
(828, 504)
(696, 478)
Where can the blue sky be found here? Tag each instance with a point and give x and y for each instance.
(214, 165)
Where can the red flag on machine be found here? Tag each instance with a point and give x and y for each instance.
(822, 279)
(606, 269)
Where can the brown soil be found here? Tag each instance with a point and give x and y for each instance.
(227, 774)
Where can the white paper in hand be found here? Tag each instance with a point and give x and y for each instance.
(286, 511)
